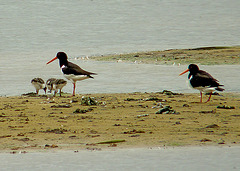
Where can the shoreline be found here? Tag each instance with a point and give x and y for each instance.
(216, 55)
(118, 120)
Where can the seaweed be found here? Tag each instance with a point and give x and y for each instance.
(111, 142)
(88, 101)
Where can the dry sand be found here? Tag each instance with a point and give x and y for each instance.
(126, 120)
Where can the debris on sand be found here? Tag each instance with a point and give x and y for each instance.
(226, 107)
(88, 101)
(111, 142)
(186, 105)
(51, 146)
(131, 99)
(56, 131)
(134, 131)
(31, 94)
(74, 100)
(83, 110)
(23, 139)
(167, 92)
(143, 115)
(5, 136)
(167, 110)
(61, 106)
(154, 99)
(159, 105)
(209, 111)
(205, 140)
(93, 149)
(212, 126)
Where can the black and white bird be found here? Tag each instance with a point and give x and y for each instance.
(70, 70)
(38, 84)
(202, 81)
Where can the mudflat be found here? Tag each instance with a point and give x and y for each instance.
(202, 55)
(122, 120)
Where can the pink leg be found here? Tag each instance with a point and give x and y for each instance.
(209, 97)
(74, 86)
(201, 97)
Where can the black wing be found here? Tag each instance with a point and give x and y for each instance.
(75, 69)
(202, 78)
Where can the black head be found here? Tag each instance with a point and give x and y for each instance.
(193, 68)
(62, 59)
(62, 56)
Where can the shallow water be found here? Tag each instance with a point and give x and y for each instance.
(178, 158)
(119, 78)
(39, 28)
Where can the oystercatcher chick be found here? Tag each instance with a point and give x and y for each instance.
(70, 70)
(202, 81)
(58, 84)
(49, 84)
(39, 84)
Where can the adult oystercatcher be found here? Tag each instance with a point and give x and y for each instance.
(70, 70)
(58, 84)
(202, 81)
(38, 83)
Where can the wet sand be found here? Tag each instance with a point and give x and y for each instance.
(124, 120)
(203, 55)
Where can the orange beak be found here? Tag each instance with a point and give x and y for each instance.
(52, 60)
(184, 72)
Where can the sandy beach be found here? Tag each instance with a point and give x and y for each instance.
(125, 120)
(97, 121)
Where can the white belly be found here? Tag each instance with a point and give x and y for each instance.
(58, 86)
(74, 78)
(205, 89)
(38, 86)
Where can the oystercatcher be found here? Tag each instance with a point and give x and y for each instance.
(70, 70)
(58, 84)
(39, 83)
(202, 81)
